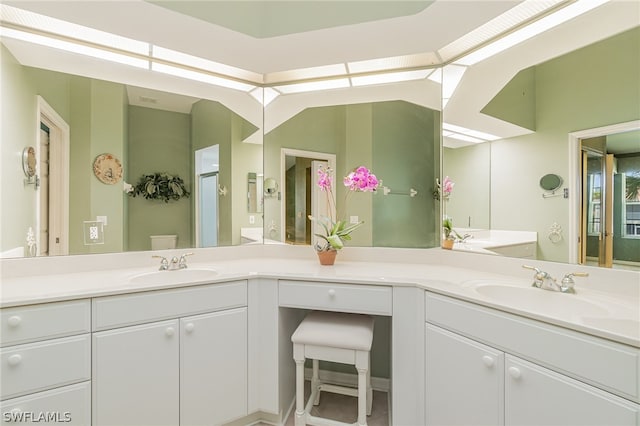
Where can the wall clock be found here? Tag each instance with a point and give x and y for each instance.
(107, 169)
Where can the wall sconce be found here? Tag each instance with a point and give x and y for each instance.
(270, 187)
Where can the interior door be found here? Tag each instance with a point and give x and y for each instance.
(208, 209)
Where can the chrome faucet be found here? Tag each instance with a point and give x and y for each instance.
(545, 281)
(164, 263)
(174, 264)
(182, 263)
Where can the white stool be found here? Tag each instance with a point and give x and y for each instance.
(336, 337)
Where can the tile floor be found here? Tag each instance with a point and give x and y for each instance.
(344, 408)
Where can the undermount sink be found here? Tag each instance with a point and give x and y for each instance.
(539, 300)
(178, 276)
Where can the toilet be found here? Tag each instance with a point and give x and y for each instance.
(163, 242)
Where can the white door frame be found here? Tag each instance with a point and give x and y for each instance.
(330, 158)
(575, 173)
(58, 177)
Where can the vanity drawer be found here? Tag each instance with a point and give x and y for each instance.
(24, 324)
(129, 309)
(365, 299)
(609, 365)
(39, 366)
(70, 404)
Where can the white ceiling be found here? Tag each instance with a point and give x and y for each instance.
(424, 32)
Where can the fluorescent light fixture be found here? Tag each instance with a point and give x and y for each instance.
(513, 17)
(531, 30)
(392, 77)
(204, 64)
(463, 138)
(198, 76)
(306, 73)
(67, 29)
(395, 62)
(311, 86)
(74, 48)
(469, 132)
(264, 95)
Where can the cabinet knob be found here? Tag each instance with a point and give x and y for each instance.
(488, 361)
(15, 359)
(14, 321)
(169, 332)
(514, 372)
(332, 293)
(189, 327)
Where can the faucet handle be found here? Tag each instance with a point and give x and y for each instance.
(567, 283)
(164, 263)
(183, 260)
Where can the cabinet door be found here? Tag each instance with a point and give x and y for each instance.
(464, 380)
(213, 367)
(537, 396)
(135, 375)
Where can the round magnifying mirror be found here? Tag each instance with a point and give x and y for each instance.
(550, 182)
(29, 161)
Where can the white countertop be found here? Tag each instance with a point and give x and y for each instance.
(611, 298)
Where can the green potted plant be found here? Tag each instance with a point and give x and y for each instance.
(160, 186)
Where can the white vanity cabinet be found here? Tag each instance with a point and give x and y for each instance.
(46, 363)
(489, 383)
(190, 369)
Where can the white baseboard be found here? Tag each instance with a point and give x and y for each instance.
(347, 379)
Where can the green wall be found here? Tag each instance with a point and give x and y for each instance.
(17, 106)
(159, 142)
(397, 140)
(595, 86)
(406, 154)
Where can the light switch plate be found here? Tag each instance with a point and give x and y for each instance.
(353, 219)
(102, 219)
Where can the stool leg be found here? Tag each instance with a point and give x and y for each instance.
(362, 396)
(315, 381)
(300, 419)
(369, 390)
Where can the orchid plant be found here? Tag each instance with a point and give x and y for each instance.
(443, 192)
(338, 231)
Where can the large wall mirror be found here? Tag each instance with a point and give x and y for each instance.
(561, 103)
(210, 138)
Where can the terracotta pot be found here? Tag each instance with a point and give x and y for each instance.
(327, 257)
(447, 244)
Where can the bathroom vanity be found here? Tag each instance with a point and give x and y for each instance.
(108, 345)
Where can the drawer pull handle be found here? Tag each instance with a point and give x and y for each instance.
(515, 372)
(189, 327)
(332, 293)
(488, 361)
(169, 332)
(14, 321)
(15, 359)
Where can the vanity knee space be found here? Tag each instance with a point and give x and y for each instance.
(480, 361)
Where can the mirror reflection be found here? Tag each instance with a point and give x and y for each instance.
(398, 140)
(185, 158)
(536, 112)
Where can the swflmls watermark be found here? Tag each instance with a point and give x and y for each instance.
(36, 417)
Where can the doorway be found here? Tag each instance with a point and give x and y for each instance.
(52, 221)
(206, 196)
(608, 201)
(302, 196)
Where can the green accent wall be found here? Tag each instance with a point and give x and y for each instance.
(595, 86)
(406, 154)
(159, 142)
(516, 102)
(397, 140)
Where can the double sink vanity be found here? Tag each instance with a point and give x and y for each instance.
(118, 342)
